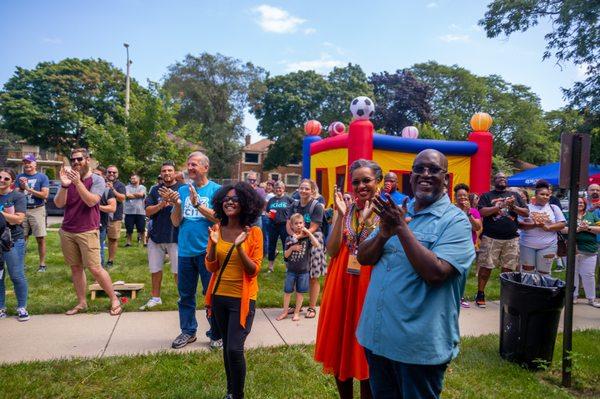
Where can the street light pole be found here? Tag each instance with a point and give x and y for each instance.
(127, 82)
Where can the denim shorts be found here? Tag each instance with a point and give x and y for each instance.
(299, 281)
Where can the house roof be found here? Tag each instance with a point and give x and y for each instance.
(260, 146)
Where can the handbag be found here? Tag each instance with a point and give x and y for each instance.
(561, 249)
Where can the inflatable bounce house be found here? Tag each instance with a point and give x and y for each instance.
(327, 160)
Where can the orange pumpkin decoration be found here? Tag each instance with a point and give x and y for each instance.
(481, 122)
(313, 127)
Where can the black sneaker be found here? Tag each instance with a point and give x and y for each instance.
(109, 264)
(41, 269)
(480, 300)
(182, 340)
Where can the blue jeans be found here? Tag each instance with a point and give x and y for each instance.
(390, 379)
(266, 227)
(102, 243)
(189, 270)
(15, 266)
(277, 231)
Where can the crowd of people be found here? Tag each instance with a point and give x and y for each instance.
(391, 258)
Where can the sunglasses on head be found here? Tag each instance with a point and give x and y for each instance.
(364, 180)
(77, 159)
(233, 198)
(432, 170)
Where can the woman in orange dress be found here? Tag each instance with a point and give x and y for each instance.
(347, 282)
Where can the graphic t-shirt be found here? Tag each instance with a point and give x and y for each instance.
(162, 230)
(37, 181)
(14, 202)
(503, 225)
(316, 216)
(538, 238)
(106, 195)
(298, 261)
(135, 206)
(281, 205)
(193, 230)
(79, 217)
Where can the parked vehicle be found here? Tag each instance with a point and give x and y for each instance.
(51, 209)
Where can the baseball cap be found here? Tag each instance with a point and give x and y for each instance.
(29, 157)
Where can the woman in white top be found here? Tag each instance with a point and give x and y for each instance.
(539, 231)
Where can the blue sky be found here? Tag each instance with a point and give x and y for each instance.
(280, 36)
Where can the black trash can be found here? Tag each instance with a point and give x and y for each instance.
(530, 308)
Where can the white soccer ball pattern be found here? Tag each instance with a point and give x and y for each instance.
(362, 108)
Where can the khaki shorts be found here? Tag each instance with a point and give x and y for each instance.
(501, 253)
(114, 229)
(81, 249)
(35, 220)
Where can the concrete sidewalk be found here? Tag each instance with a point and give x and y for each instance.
(46, 337)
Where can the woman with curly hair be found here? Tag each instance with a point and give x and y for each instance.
(234, 256)
(346, 283)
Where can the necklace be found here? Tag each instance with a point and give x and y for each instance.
(358, 230)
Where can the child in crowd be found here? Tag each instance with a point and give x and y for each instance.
(297, 262)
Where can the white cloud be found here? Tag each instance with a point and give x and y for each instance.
(277, 20)
(322, 65)
(455, 38)
(310, 31)
(432, 5)
(52, 40)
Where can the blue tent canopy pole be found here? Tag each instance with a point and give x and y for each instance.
(549, 172)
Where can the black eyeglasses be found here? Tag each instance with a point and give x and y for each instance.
(5, 179)
(364, 180)
(432, 170)
(111, 172)
(233, 198)
(78, 159)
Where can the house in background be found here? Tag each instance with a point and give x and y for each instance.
(252, 160)
(49, 162)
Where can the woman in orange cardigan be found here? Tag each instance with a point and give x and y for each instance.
(234, 256)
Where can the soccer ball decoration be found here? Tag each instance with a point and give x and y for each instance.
(362, 108)
(410, 132)
(313, 127)
(336, 128)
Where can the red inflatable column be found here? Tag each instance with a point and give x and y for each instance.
(481, 162)
(360, 144)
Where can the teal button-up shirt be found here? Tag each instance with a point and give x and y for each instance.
(404, 318)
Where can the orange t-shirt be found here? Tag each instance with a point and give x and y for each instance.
(232, 277)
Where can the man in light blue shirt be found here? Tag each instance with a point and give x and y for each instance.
(193, 214)
(422, 254)
(390, 186)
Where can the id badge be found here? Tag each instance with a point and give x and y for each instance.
(353, 265)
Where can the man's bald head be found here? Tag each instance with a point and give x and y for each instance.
(390, 176)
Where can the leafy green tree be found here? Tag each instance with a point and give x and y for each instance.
(520, 131)
(288, 101)
(574, 36)
(402, 100)
(212, 94)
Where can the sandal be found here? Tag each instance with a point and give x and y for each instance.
(310, 313)
(76, 309)
(116, 310)
(292, 309)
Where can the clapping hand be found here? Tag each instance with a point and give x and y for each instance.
(213, 233)
(392, 217)
(64, 177)
(165, 194)
(239, 240)
(193, 195)
(338, 203)
(73, 175)
(23, 183)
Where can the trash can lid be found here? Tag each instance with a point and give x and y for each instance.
(532, 279)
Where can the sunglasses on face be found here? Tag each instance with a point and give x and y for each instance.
(5, 179)
(432, 170)
(364, 180)
(111, 172)
(233, 198)
(251, 180)
(77, 159)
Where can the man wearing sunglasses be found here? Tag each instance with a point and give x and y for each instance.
(422, 252)
(35, 186)
(115, 222)
(193, 214)
(80, 193)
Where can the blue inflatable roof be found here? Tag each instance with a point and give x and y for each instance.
(549, 172)
(395, 143)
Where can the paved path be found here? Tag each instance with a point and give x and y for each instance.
(46, 337)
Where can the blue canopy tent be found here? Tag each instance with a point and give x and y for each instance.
(549, 172)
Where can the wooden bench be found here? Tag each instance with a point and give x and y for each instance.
(131, 287)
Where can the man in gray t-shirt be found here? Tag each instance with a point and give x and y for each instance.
(135, 212)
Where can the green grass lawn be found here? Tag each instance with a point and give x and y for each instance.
(290, 372)
(52, 292)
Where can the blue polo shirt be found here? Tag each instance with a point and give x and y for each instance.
(404, 318)
(193, 230)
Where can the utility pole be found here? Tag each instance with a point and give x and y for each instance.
(127, 82)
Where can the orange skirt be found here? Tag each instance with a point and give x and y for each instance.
(341, 305)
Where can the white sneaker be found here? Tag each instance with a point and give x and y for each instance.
(216, 343)
(151, 303)
(594, 303)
